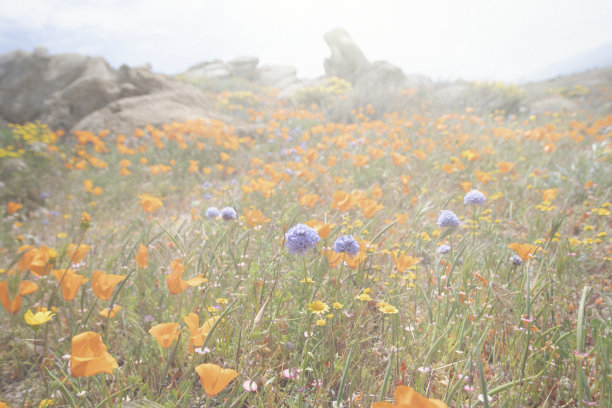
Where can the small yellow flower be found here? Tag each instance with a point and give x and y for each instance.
(321, 322)
(337, 305)
(37, 319)
(318, 307)
(307, 280)
(364, 297)
(388, 309)
(221, 301)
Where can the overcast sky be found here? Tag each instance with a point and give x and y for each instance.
(471, 39)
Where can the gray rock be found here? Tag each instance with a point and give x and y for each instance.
(277, 76)
(244, 67)
(455, 95)
(553, 105)
(178, 104)
(346, 61)
(206, 70)
(62, 89)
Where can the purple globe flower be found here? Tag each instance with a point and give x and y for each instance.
(516, 260)
(228, 213)
(448, 219)
(474, 197)
(443, 249)
(346, 244)
(300, 239)
(212, 212)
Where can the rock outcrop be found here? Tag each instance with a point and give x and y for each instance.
(178, 104)
(68, 89)
(346, 61)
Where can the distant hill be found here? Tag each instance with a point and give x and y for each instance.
(599, 57)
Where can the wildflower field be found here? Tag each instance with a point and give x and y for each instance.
(391, 260)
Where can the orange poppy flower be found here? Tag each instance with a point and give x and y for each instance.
(103, 284)
(215, 379)
(549, 194)
(76, 254)
(370, 207)
(70, 282)
(149, 203)
(88, 184)
(466, 186)
(407, 397)
(524, 251)
(334, 258)
(360, 160)
(108, 312)
(403, 262)
(142, 257)
(482, 176)
(165, 333)
(342, 201)
(198, 334)
(399, 159)
(13, 306)
(254, 217)
(89, 356)
(504, 166)
(12, 207)
(37, 260)
(322, 229)
(193, 166)
(353, 262)
(174, 281)
(309, 199)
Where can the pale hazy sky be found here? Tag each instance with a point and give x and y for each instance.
(471, 39)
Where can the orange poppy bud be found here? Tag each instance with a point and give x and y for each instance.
(142, 257)
(89, 356)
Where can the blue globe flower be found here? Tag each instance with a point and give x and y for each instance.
(212, 212)
(228, 213)
(300, 239)
(516, 260)
(346, 244)
(443, 249)
(474, 197)
(448, 219)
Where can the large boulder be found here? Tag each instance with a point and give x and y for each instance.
(208, 70)
(244, 67)
(277, 76)
(346, 61)
(178, 104)
(62, 89)
(553, 105)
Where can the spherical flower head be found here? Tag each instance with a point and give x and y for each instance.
(300, 239)
(212, 212)
(474, 197)
(346, 244)
(228, 213)
(448, 219)
(443, 249)
(516, 260)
